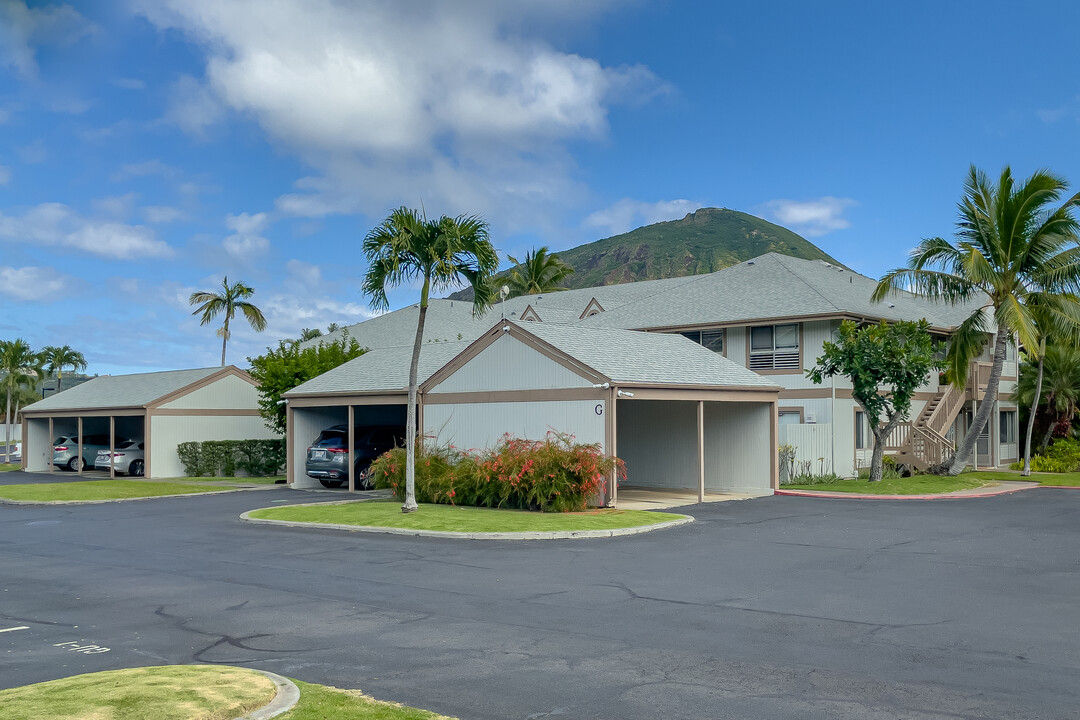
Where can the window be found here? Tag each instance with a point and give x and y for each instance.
(1007, 426)
(712, 339)
(860, 430)
(774, 347)
(791, 417)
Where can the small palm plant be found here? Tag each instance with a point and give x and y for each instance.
(231, 298)
(538, 273)
(58, 358)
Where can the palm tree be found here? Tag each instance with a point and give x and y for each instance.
(1013, 251)
(1053, 382)
(58, 358)
(407, 247)
(231, 298)
(539, 273)
(17, 363)
(310, 334)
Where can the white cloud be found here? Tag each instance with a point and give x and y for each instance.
(159, 214)
(452, 102)
(34, 284)
(246, 240)
(627, 214)
(812, 218)
(119, 206)
(34, 153)
(192, 106)
(22, 28)
(5, 175)
(56, 224)
(129, 83)
(144, 169)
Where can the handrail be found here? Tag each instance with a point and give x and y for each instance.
(947, 409)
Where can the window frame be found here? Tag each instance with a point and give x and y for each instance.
(775, 359)
(1011, 426)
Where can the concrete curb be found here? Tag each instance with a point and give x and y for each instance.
(958, 495)
(447, 534)
(5, 501)
(285, 700)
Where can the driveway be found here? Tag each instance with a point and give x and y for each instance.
(769, 608)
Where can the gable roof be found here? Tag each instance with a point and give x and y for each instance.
(775, 286)
(623, 357)
(126, 391)
(382, 370)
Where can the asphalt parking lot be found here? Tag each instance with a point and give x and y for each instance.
(772, 608)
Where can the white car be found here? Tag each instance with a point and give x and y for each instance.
(127, 457)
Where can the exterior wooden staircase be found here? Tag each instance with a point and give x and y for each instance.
(922, 443)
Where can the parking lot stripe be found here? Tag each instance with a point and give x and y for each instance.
(12, 629)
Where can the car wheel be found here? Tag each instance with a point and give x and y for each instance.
(73, 464)
(135, 469)
(364, 480)
(331, 483)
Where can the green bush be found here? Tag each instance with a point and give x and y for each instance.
(258, 458)
(551, 475)
(1061, 457)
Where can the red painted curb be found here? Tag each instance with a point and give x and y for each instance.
(866, 496)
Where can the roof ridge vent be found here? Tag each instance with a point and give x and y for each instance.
(749, 262)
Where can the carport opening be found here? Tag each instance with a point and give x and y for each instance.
(101, 440)
(321, 437)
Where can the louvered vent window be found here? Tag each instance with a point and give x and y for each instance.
(774, 347)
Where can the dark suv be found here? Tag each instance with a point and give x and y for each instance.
(328, 456)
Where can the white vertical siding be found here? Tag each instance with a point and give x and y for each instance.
(509, 364)
(228, 393)
(307, 423)
(735, 338)
(38, 448)
(166, 432)
(813, 444)
(482, 425)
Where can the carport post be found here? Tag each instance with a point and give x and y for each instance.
(79, 464)
(352, 456)
(52, 439)
(701, 450)
(112, 447)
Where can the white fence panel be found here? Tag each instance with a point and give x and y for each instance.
(812, 443)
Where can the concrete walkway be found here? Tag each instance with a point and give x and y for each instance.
(639, 498)
(1002, 487)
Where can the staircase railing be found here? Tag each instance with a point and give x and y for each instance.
(930, 447)
(948, 407)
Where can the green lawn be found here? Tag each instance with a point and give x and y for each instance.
(387, 513)
(5, 467)
(100, 490)
(1049, 479)
(162, 693)
(180, 692)
(917, 485)
(244, 480)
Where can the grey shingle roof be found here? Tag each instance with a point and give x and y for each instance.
(382, 369)
(775, 286)
(121, 391)
(641, 357)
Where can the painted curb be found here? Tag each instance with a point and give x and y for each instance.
(939, 496)
(285, 700)
(453, 535)
(5, 501)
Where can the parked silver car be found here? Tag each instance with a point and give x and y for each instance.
(328, 456)
(66, 450)
(128, 457)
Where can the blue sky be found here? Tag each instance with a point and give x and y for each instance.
(149, 148)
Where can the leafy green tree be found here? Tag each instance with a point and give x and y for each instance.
(310, 334)
(440, 254)
(1013, 251)
(58, 358)
(19, 365)
(886, 363)
(231, 298)
(1051, 382)
(538, 273)
(281, 369)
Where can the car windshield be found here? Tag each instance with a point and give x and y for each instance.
(330, 440)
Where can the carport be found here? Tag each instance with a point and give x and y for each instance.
(160, 409)
(678, 414)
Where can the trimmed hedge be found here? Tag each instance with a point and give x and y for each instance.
(258, 458)
(551, 475)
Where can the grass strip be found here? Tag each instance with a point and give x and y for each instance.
(7, 467)
(100, 490)
(387, 513)
(916, 485)
(1049, 479)
(321, 702)
(161, 693)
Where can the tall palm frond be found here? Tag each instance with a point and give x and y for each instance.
(539, 273)
(231, 298)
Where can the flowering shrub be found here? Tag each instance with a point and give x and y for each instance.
(552, 475)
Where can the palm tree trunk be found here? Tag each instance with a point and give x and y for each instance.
(7, 426)
(1049, 434)
(1031, 416)
(224, 339)
(59, 378)
(956, 464)
(410, 416)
